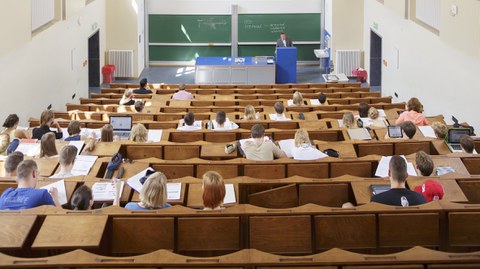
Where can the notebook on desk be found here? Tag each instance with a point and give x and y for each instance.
(122, 125)
(359, 134)
(453, 138)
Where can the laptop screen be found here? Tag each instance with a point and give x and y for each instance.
(455, 134)
(395, 132)
(121, 123)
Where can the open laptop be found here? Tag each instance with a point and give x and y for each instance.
(122, 125)
(453, 138)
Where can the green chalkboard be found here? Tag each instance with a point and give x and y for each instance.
(304, 52)
(181, 53)
(190, 28)
(267, 27)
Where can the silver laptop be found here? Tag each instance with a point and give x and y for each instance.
(453, 138)
(122, 125)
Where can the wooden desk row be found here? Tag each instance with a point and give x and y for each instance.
(414, 258)
(308, 229)
(241, 86)
(253, 94)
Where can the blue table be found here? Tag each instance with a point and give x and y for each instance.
(231, 70)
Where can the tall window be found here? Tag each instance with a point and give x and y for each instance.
(43, 12)
(427, 13)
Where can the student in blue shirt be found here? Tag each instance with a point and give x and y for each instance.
(153, 194)
(25, 196)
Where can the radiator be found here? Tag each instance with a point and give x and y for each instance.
(123, 61)
(346, 61)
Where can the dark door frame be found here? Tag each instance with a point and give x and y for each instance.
(375, 71)
(94, 79)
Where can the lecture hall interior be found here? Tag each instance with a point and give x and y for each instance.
(190, 134)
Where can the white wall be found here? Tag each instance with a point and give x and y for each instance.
(224, 7)
(442, 76)
(39, 72)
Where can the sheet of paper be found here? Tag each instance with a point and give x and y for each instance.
(78, 145)
(22, 128)
(381, 113)
(315, 102)
(29, 149)
(64, 132)
(134, 182)
(287, 145)
(105, 191)
(173, 191)
(340, 123)
(229, 194)
(198, 124)
(383, 167)
(155, 135)
(83, 164)
(427, 131)
(62, 192)
(366, 122)
(290, 103)
(87, 132)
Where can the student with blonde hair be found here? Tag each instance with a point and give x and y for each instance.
(297, 99)
(439, 129)
(46, 121)
(138, 133)
(67, 160)
(153, 194)
(414, 113)
(349, 121)
(373, 115)
(303, 149)
(47, 146)
(127, 98)
(213, 190)
(249, 113)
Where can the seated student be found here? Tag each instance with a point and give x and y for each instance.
(213, 191)
(10, 127)
(467, 144)
(322, 98)
(424, 163)
(67, 160)
(12, 162)
(279, 110)
(259, 149)
(74, 131)
(409, 129)
(25, 196)
(250, 114)
(106, 134)
(47, 146)
(139, 105)
(4, 144)
(47, 121)
(153, 194)
(373, 115)
(363, 110)
(349, 121)
(297, 99)
(303, 149)
(413, 113)
(222, 123)
(398, 195)
(143, 87)
(439, 129)
(431, 190)
(188, 123)
(82, 198)
(127, 98)
(182, 94)
(138, 133)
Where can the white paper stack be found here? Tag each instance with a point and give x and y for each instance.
(62, 192)
(83, 164)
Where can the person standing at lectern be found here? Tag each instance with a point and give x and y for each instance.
(284, 41)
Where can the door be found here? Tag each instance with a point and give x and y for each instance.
(94, 60)
(375, 59)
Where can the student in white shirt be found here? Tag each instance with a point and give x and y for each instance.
(67, 160)
(188, 123)
(222, 123)
(303, 149)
